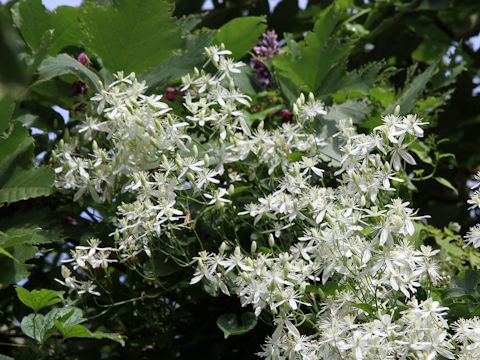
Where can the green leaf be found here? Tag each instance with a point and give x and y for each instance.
(7, 105)
(422, 151)
(356, 81)
(65, 64)
(7, 254)
(67, 315)
(5, 357)
(18, 179)
(368, 308)
(35, 326)
(27, 184)
(241, 34)
(80, 331)
(179, 65)
(131, 35)
(412, 92)
(34, 20)
(357, 110)
(230, 325)
(429, 51)
(446, 183)
(38, 299)
(16, 149)
(319, 54)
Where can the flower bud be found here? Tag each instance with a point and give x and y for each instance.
(222, 248)
(271, 240)
(206, 160)
(83, 59)
(231, 189)
(253, 247)
(363, 201)
(396, 112)
(191, 177)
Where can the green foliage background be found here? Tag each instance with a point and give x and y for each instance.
(360, 57)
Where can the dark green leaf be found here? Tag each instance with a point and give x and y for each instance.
(131, 35)
(240, 35)
(230, 325)
(446, 183)
(7, 105)
(33, 20)
(179, 65)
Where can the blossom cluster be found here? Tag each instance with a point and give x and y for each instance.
(330, 252)
(473, 235)
(86, 258)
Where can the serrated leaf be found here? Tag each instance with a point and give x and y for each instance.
(34, 20)
(230, 325)
(131, 35)
(412, 91)
(358, 81)
(241, 34)
(27, 184)
(38, 299)
(319, 54)
(64, 64)
(446, 183)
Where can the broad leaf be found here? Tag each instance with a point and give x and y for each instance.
(34, 20)
(413, 91)
(27, 184)
(38, 299)
(131, 35)
(356, 110)
(35, 326)
(80, 331)
(65, 64)
(319, 54)
(241, 34)
(19, 180)
(7, 105)
(179, 65)
(230, 325)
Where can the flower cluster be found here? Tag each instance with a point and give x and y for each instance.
(86, 258)
(473, 235)
(325, 247)
(356, 235)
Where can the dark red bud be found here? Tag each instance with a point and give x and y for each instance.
(286, 114)
(80, 87)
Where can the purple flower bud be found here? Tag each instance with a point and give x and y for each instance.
(83, 59)
(80, 87)
(268, 46)
(263, 74)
